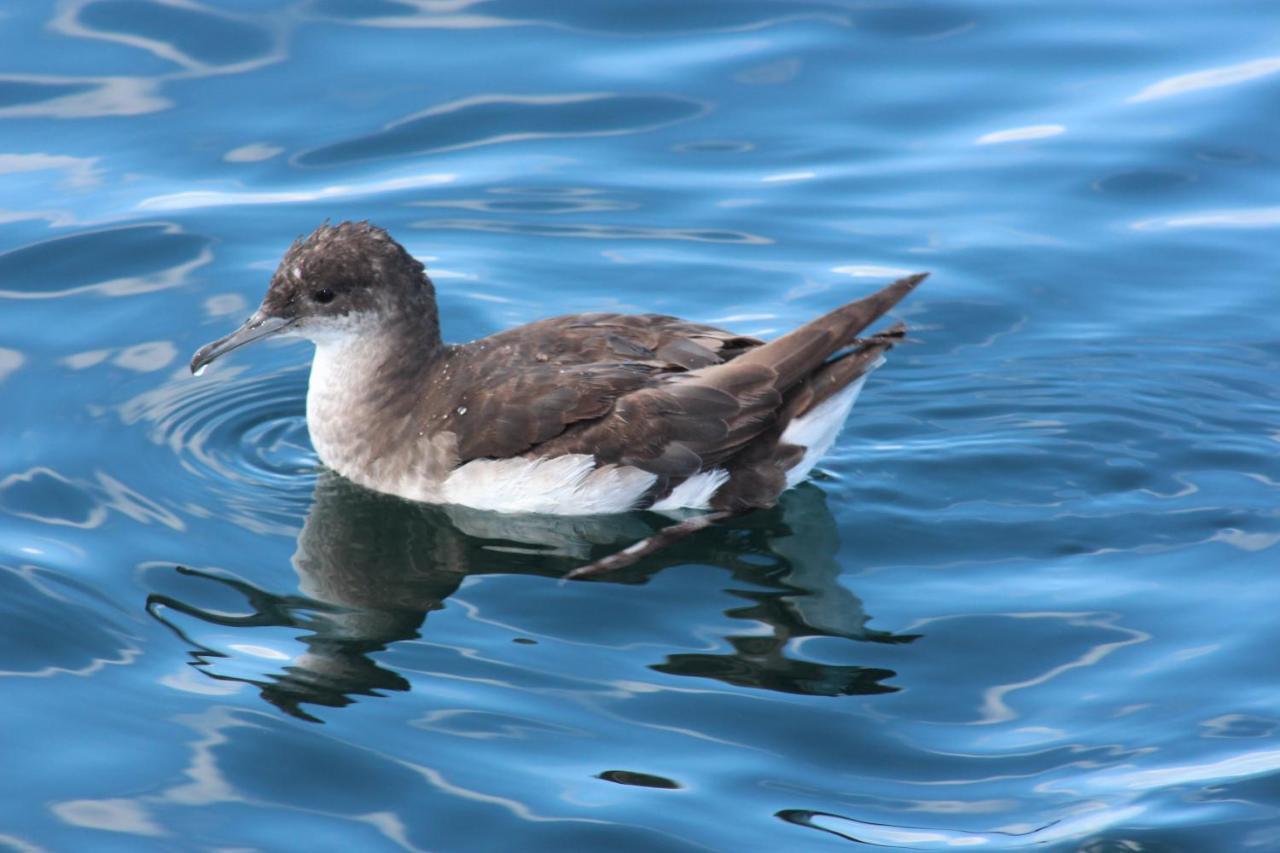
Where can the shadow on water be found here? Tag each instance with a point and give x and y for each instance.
(372, 567)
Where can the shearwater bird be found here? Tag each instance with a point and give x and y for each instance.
(573, 415)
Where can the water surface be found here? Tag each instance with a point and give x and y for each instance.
(1028, 601)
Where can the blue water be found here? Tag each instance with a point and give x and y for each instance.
(1030, 600)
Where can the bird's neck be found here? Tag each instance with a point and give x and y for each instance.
(365, 390)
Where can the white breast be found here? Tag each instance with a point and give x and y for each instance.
(343, 361)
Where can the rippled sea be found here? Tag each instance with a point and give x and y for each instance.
(1029, 601)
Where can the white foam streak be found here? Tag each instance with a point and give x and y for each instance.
(1247, 217)
(1210, 78)
(871, 271)
(219, 198)
(1020, 134)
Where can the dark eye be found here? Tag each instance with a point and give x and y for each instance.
(324, 296)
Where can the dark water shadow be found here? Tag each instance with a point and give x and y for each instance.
(505, 119)
(120, 260)
(184, 34)
(372, 568)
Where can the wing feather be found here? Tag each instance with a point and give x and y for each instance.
(519, 390)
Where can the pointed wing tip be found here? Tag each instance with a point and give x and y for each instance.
(896, 292)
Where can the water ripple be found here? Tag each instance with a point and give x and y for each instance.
(1058, 502)
(243, 437)
(39, 606)
(248, 430)
(119, 261)
(194, 37)
(593, 231)
(493, 119)
(51, 96)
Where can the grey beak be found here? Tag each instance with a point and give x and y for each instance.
(256, 327)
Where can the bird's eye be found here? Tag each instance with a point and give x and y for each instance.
(324, 296)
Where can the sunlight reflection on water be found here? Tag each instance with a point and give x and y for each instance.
(1028, 599)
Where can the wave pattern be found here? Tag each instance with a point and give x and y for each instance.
(1027, 602)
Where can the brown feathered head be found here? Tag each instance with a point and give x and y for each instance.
(340, 280)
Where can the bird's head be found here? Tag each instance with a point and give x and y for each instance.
(341, 280)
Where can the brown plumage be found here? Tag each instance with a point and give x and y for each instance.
(600, 412)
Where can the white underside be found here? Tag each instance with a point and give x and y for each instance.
(560, 485)
(569, 485)
(817, 430)
(695, 492)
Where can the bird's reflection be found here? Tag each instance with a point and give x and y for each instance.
(372, 567)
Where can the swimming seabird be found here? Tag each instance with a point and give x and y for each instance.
(573, 415)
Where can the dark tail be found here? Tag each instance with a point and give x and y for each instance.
(833, 376)
(803, 350)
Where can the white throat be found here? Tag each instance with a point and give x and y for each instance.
(346, 362)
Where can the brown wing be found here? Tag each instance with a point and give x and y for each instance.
(502, 410)
(563, 386)
(694, 421)
(507, 393)
(580, 339)
(683, 425)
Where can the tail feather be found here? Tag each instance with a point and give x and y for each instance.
(772, 462)
(731, 415)
(804, 349)
(834, 376)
